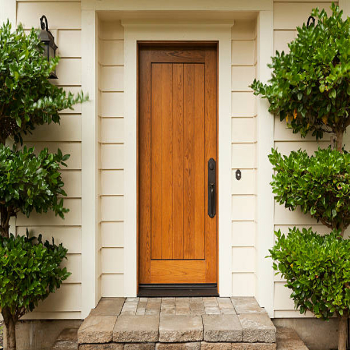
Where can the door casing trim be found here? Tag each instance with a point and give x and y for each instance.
(133, 34)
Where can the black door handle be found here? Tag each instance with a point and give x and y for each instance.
(211, 187)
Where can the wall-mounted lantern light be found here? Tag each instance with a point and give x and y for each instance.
(49, 42)
(311, 20)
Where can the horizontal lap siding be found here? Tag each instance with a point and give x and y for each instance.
(111, 111)
(243, 157)
(65, 23)
(287, 16)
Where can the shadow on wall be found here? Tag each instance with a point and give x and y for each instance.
(316, 334)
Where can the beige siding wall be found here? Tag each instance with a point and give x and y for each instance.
(64, 22)
(111, 85)
(287, 16)
(243, 128)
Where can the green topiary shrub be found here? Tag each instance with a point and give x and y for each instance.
(310, 86)
(29, 271)
(317, 270)
(310, 89)
(317, 184)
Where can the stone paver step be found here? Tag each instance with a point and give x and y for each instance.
(288, 339)
(207, 323)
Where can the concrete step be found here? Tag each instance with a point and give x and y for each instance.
(288, 339)
(67, 340)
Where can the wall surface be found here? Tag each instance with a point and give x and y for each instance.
(243, 157)
(111, 112)
(65, 23)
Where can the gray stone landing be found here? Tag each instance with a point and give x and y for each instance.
(207, 323)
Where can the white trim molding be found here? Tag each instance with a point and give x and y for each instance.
(345, 6)
(221, 33)
(90, 163)
(265, 137)
(8, 12)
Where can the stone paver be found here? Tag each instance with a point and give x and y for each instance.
(252, 346)
(246, 305)
(257, 327)
(135, 329)
(207, 323)
(178, 346)
(108, 307)
(215, 346)
(288, 339)
(177, 328)
(140, 346)
(111, 346)
(222, 328)
(97, 329)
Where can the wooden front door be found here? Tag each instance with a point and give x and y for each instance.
(177, 138)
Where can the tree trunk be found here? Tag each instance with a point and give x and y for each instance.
(5, 218)
(339, 141)
(10, 324)
(343, 331)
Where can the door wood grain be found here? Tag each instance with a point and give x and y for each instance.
(177, 137)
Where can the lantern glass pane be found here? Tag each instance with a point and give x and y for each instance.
(46, 50)
(51, 52)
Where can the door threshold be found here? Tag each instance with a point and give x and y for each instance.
(178, 290)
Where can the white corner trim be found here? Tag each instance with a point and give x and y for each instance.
(265, 137)
(8, 12)
(188, 32)
(90, 163)
(345, 6)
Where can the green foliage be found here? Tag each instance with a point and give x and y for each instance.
(29, 271)
(27, 98)
(310, 85)
(317, 270)
(29, 182)
(318, 184)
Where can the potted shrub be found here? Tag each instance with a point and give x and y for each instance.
(310, 90)
(29, 267)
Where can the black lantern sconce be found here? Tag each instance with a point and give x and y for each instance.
(49, 42)
(310, 20)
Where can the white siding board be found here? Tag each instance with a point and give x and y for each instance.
(243, 53)
(112, 78)
(282, 38)
(72, 183)
(243, 104)
(112, 208)
(112, 156)
(112, 104)
(242, 77)
(61, 15)
(73, 265)
(112, 260)
(111, 30)
(69, 43)
(112, 285)
(112, 182)
(112, 53)
(243, 207)
(243, 155)
(244, 30)
(70, 237)
(289, 15)
(243, 284)
(112, 130)
(69, 129)
(247, 183)
(243, 233)
(72, 218)
(112, 234)
(69, 72)
(243, 130)
(243, 259)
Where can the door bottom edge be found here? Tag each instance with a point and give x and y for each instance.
(178, 290)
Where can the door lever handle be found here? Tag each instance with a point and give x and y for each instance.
(211, 187)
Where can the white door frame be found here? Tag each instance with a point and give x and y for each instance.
(137, 31)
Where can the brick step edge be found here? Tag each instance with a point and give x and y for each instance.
(288, 339)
